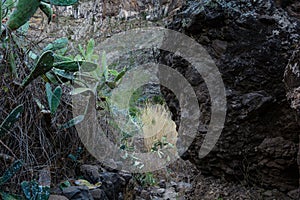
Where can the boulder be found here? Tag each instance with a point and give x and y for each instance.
(57, 197)
(77, 193)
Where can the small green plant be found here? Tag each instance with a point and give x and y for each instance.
(98, 81)
(146, 179)
(88, 53)
(74, 157)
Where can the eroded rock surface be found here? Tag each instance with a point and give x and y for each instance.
(250, 42)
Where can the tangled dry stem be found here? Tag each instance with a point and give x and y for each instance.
(35, 140)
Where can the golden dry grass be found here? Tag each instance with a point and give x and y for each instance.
(157, 123)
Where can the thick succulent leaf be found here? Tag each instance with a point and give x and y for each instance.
(63, 2)
(51, 77)
(80, 90)
(90, 49)
(81, 49)
(24, 10)
(73, 66)
(62, 75)
(111, 84)
(34, 189)
(11, 171)
(59, 58)
(32, 55)
(72, 122)
(23, 30)
(44, 64)
(46, 8)
(13, 66)
(104, 66)
(26, 189)
(120, 75)
(39, 104)
(11, 119)
(86, 183)
(8, 4)
(113, 72)
(55, 101)
(57, 44)
(49, 94)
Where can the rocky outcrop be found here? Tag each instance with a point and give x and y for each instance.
(250, 42)
(292, 83)
(292, 80)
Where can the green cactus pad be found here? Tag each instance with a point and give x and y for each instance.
(61, 2)
(57, 44)
(24, 10)
(46, 8)
(44, 64)
(73, 66)
(55, 100)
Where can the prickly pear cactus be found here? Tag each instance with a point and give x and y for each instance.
(73, 66)
(24, 10)
(61, 2)
(44, 64)
(46, 8)
(53, 97)
(57, 44)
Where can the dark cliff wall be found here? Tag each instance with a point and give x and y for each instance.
(250, 42)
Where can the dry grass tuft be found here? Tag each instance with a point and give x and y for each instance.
(157, 124)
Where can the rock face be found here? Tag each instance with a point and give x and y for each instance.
(292, 82)
(250, 42)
